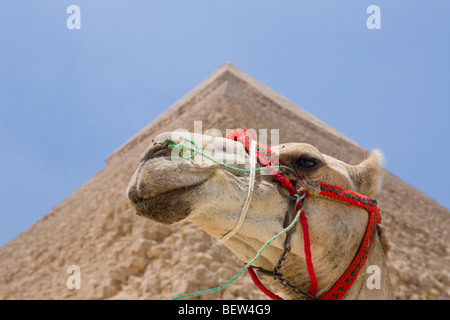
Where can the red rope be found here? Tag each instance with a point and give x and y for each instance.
(352, 198)
(261, 287)
(308, 257)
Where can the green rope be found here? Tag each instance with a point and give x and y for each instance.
(182, 148)
(226, 284)
(172, 145)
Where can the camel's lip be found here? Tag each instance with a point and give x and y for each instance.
(168, 207)
(172, 192)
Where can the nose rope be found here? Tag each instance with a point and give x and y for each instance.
(251, 187)
(195, 150)
(253, 159)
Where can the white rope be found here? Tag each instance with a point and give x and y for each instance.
(249, 194)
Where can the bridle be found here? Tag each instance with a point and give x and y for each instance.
(302, 189)
(296, 196)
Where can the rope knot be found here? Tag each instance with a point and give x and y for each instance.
(182, 147)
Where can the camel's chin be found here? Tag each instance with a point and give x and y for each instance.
(166, 208)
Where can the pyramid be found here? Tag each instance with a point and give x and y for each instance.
(122, 256)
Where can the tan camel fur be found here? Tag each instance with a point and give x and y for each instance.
(168, 189)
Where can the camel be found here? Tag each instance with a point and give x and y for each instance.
(167, 189)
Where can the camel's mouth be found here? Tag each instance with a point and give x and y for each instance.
(165, 186)
(168, 207)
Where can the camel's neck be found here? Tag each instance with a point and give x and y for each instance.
(335, 238)
(372, 283)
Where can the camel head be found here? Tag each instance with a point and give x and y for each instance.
(167, 188)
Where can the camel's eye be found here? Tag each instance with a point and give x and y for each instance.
(307, 162)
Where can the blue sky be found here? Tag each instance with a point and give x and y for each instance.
(69, 98)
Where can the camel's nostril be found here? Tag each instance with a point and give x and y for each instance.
(156, 150)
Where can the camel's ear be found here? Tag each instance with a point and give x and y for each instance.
(368, 174)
